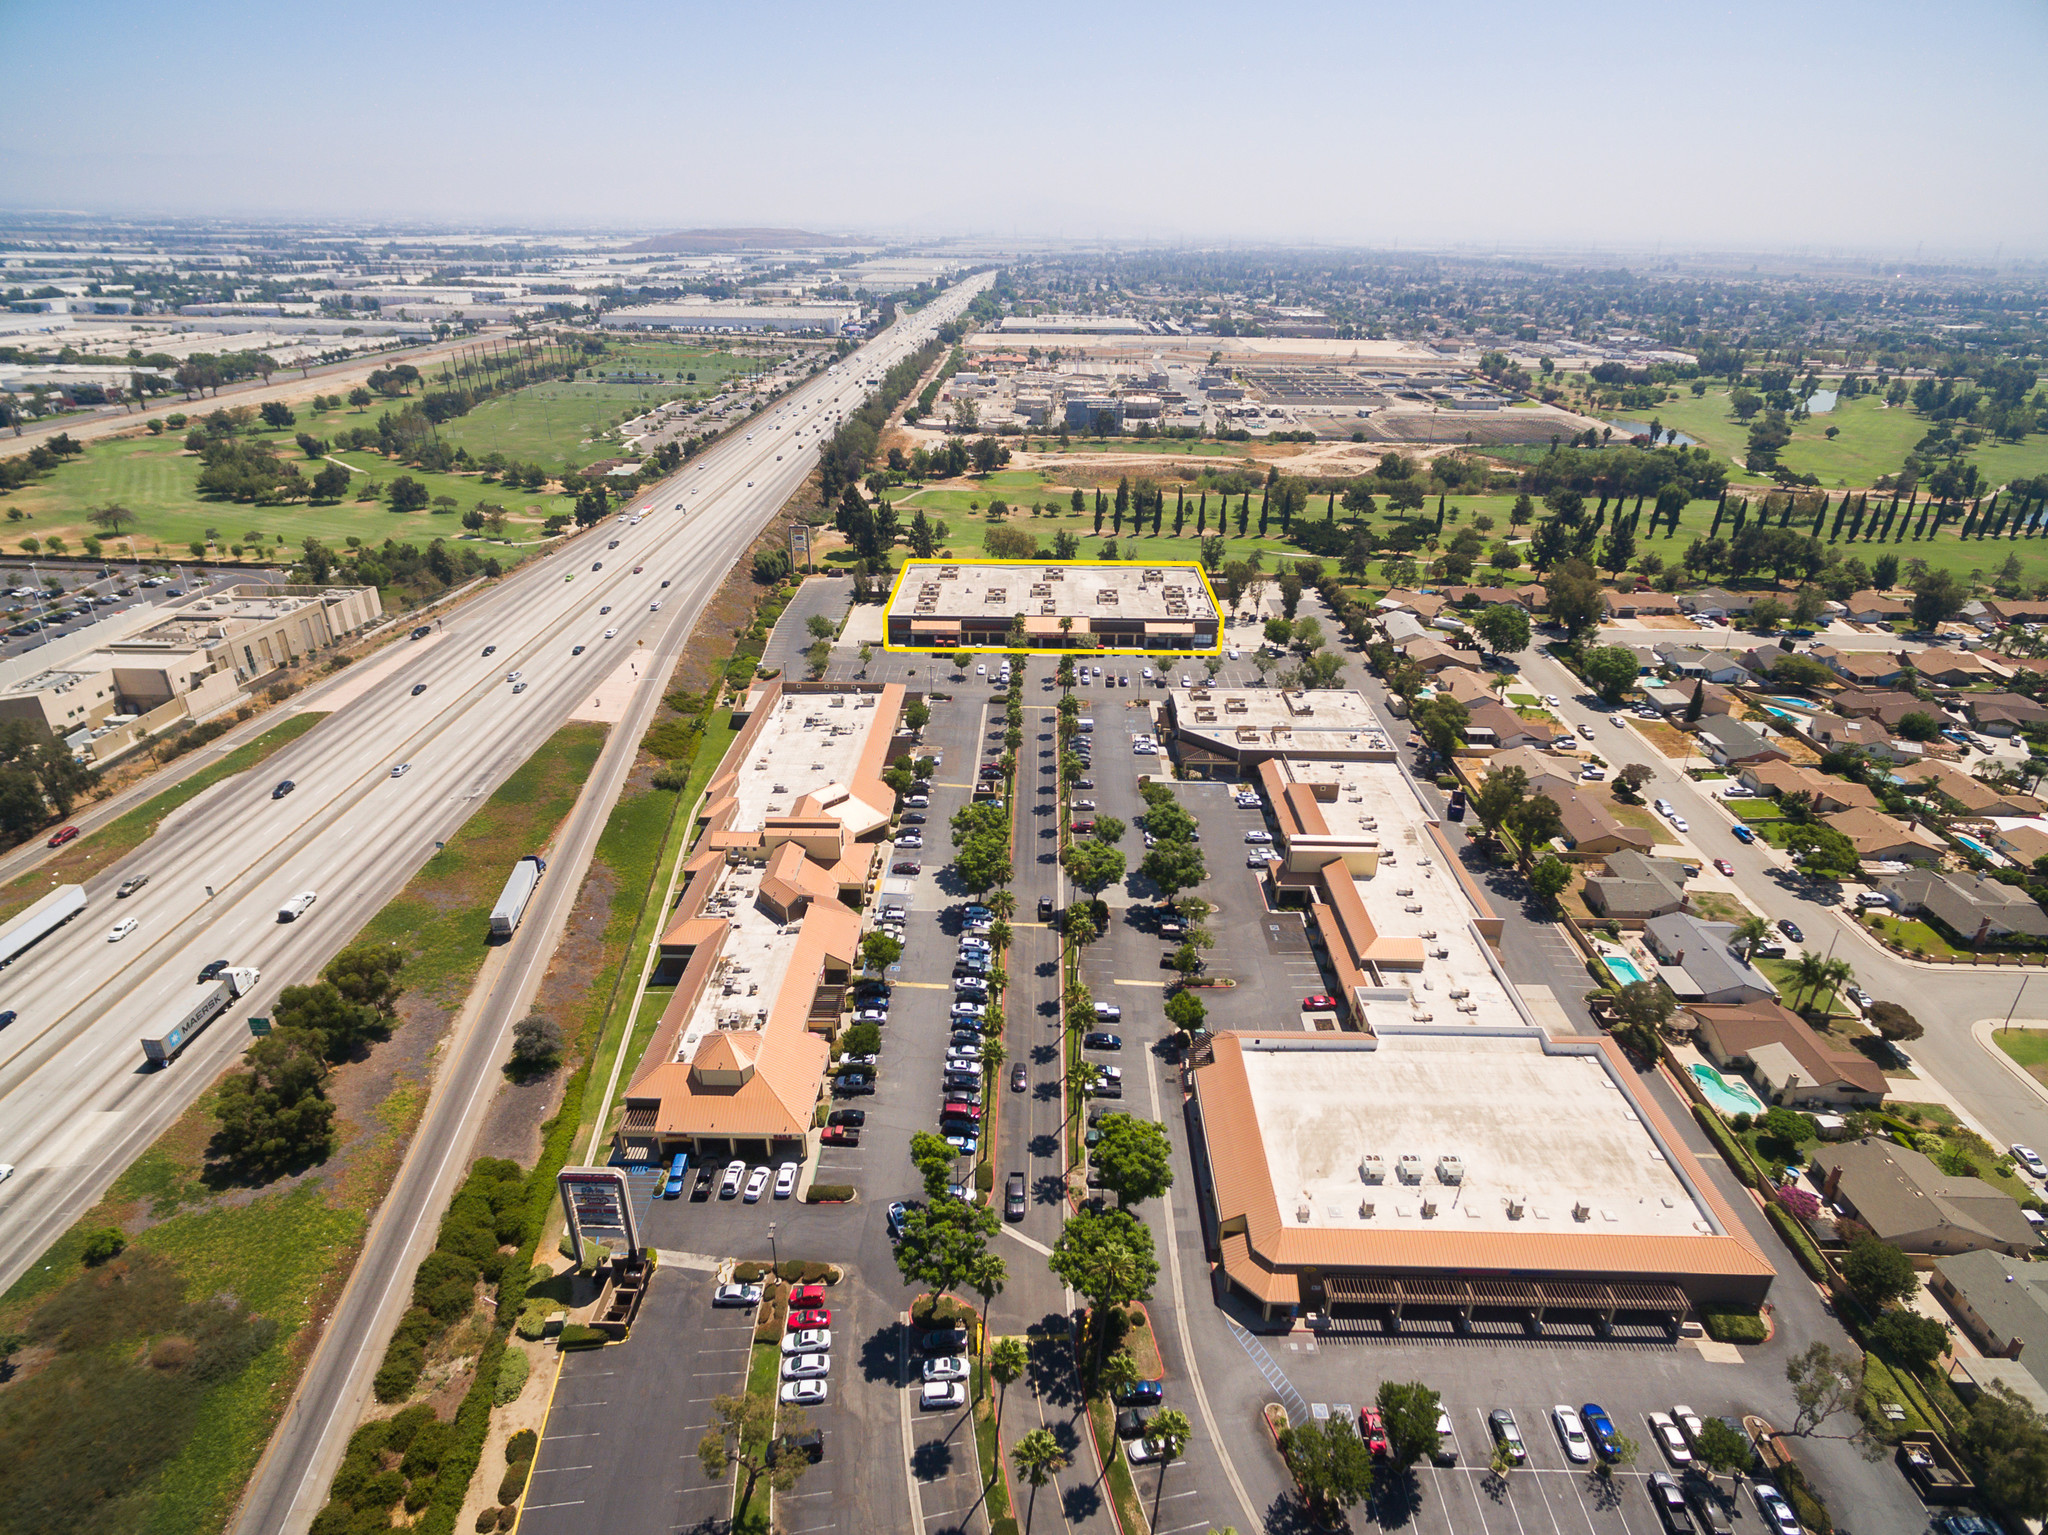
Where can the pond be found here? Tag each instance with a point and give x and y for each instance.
(1642, 429)
(1820, 402)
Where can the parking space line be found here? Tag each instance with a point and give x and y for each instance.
(552, 1470)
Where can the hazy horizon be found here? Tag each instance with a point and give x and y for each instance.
(1828, 131)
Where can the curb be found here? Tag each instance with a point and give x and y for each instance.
(1983, 1030)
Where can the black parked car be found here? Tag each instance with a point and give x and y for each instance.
(943, 1341)
(855, 1117)
(1131, 1423)
(853, 1084)
(707, 1180)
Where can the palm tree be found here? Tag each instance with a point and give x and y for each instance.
(1168, 1433)
(986, 1276)
(1037, 1457)
(1004, 904)
(1811, 972)
(1752, 930)
(1835, 974)
(1006, 1362)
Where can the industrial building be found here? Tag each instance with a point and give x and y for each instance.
(1227, 732)
(766, 938)
(1078, 605)
(823, 319)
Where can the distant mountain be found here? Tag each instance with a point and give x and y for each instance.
(701, 240)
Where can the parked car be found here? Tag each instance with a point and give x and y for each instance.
(2029, 1159)
(1669, 1500)
(757, 1184)
(804, 1393)
(809, 1317)
(744, 1295)
(1791, 930)
(785, 1180)
(1446, 1451)
(1777, 1513)
(1571, 1433)
(1723, 866)
(1131, 1423)
(853, 1084)
(1142, 1393)
(1096, 1039)
(1321, 1002)
(938, 1396)
(1742, 833)
(898, 1213)
(942, 1340)
(807, 1340)
(1372, 1433)
(1669, 1439)
(729, 1185)
(839, 1135)
(1600, 1426)
(1507, 1433)
(948, 1367)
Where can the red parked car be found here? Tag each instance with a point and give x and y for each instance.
(1319, 1004)
(840, 1135)
(63, 836)
(816, 1316)
(805, 1297)
(1373, 1432)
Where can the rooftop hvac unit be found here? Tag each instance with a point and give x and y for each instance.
(1581, 1211)
(1450, 1169)
(1517, 1208)
(1410, 1168)
(1301, 1214)
(1428, 1208)
(1372, 1167)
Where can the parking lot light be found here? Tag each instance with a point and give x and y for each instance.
(774, 1262)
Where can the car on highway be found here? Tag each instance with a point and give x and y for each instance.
(514, 675)
(804, 1393)
(1724, 866)
(577, 650)
(664, 583)
(638, 568)
(130, 886)
(1507, 1434)
(1571, 1433)
(122, 929)
(597, 564)
(297, 906)
(729, 1183)
(611, 634)
(418, 688)
(211, 970)
(284, 787)
(744, 1295)
(63, 835)
(490, 650)
(1791, 930)
(519, 687)
(757, 1184)
(654, 606)
(604, 610)
(400, 769)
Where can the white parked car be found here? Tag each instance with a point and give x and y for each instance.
(806, 1367)
(939, 1395)
(808, 1340)
(804, 1393)
(743, 1295)
(1669, 1439)
(1258, 837)
(2030, 1160)
(1777, 1513)
(1679, 823)
(1571, 1433)
(785, 1181)
(729, 1183)
(951, 1368)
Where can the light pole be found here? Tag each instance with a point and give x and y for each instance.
(2003, 1027)
(774, 1261)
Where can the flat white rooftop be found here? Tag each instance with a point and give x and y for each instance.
(812, 740)
(1099, 591)
(1550, 1142)
(751, 965)
(1307, 722)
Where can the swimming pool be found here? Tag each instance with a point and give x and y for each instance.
(1623, 968)
(1730, 1098)
(1972, 844)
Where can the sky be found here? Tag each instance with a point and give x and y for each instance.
(1807, 126)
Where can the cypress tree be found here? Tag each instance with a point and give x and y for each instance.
(1841, 513)
(1244, 515)
(1821, 516)
(1856, 521)
(1330, 512)
(1202, 517)
(1969, 521)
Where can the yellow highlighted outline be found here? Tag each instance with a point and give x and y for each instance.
(1201, 575)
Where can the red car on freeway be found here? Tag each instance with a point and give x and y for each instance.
(64, 835)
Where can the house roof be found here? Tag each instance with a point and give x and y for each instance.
(2006, 708)
(1744, 1027)
(1958, 663)
(1508, 727)
(1967, 901)
(1400, 626)
(1874, 832)
(1880, 602)
(1703, 950)
(1969, 791)
(2010, 1296)
(1586, 820)
(1865, 665)
(1636, 884)
(1737, 741)
(1888, 705)
(1428, 604)
(1896, 1192)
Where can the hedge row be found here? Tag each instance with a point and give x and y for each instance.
(1735, 1326)
(486, 1215)
(1731, 1149)
(828, 1193)
(388, 1461)
(1798, 1240)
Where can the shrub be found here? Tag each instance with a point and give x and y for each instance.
(400, 1372)
(576, 1335)
(750, 1271)
(829, 1193)
(486, 1521)
(513, 1483)
(1798, 1240)
(508, 1516)
(405, 1427)
(102, 1244)
(1735, 1326)
(521, 1446)
(512, 1366)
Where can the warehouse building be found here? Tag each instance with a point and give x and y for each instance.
(1080, 605)
(821, 319)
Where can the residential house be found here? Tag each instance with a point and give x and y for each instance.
(1463, 684)
(1906, 1200)
(2002, 714)
(1732, 744)
(1715, 602)
(1424, 605)
(1636, 887)
(1701, 962)
(1642, 604)
(1432, 655)
(1787, 1060)
(1827, 794)
(1972, 793)
(1694, 663)
(2001, 1303)
(1959, 668)
(1885, 705)
(1533, 763)
(1493, 723)
(2022, 841)
(1761, 660)
(1878, 608)
(1532, 597)
(1400, 627)
(1481, 596)
(1860, 668)
(1970, 908)
(2017, 610)
(1879, 836)
(1588, 826)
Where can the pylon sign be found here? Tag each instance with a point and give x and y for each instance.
(599, 1207)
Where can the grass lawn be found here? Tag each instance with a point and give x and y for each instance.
(97, 850)
(1913, 935)
(557, 423)
(155, 478)
(1756, 811)
(2028, 1047)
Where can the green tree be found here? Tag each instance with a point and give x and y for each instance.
(1504, 628)
(1106, 1255)
(880, 951)
(1612, 669)
(1408, 1412)
(1007, 1362)
(742, 1437)
(1329, 1463)
(944, 1241)
(1168, 1433)
(1135, 1159)
(818, 657)
(1823, 1383)
(2010, 1441)
(1878, 1272)
(1173, 866)
(1442, 722)
(1550, 877)
(275, 1115)
(1092, 865)
(1186, 1011)
(1916, 1340)
(1721, 1448)
(1535, 822)
(1576, 600)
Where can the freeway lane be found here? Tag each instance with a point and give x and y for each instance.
(74, 1102)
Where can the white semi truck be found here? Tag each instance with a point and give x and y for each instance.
(40, 920)
(194, 1010)
(517, 892)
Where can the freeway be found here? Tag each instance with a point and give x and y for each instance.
(76, 1100)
